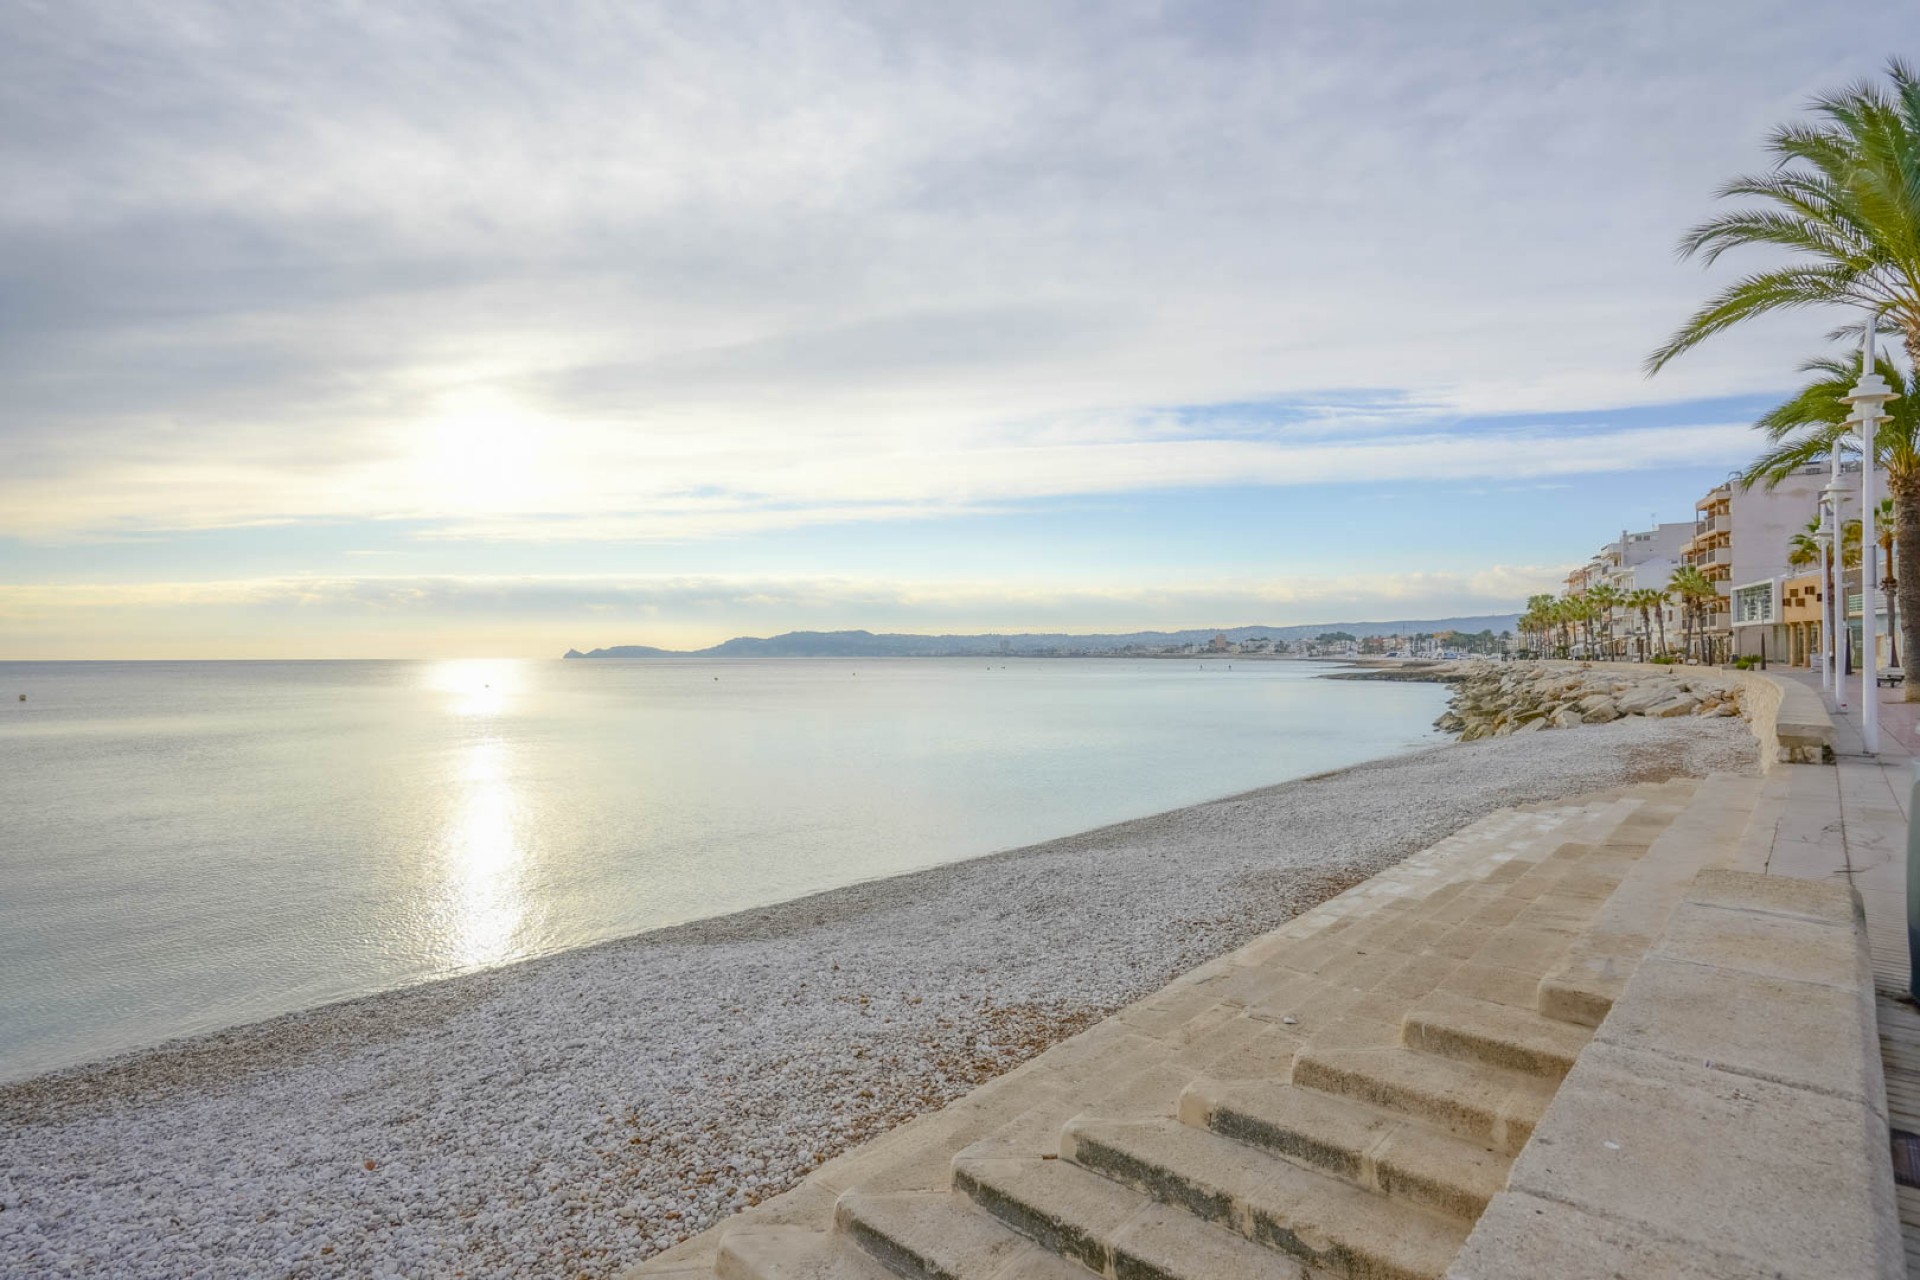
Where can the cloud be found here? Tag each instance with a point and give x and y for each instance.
(490, 473)
(655, 271)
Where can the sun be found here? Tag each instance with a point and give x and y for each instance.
(481, 453)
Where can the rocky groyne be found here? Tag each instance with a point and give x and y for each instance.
(1492, 700)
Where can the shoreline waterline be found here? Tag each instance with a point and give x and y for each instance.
(590, 1108)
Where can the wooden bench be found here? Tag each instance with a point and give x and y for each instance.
(1891, 677)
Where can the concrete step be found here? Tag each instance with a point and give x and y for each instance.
(1111, 1229)
(1456, 1026)
(793, 1253)
(1487, 1105)
(943, 1234)
(1582, 987)
(1378, 1150)
(1330, 1225)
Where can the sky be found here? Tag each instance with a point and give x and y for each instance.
(374, 330)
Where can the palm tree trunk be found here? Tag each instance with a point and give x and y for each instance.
(1661, 614)
(1905, 598)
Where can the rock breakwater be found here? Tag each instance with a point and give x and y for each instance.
(1495, 701)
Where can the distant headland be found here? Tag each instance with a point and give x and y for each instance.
(866, 644)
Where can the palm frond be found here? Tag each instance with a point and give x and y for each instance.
(1782, 289)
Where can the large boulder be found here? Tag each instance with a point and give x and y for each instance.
(1682, 705)
(1637, 701)
(1567, 718)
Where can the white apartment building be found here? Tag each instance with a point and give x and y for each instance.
(1743, 542)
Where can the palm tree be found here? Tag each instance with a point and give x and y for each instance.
(1803, 548)
(1645, 600)
(1603, 600)
(1537, 621)
(1566, 613)
(1585, 612)
(1694, 589)
(1685, 602)
(1843, 201)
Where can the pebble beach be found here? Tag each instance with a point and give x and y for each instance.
(569, 1116)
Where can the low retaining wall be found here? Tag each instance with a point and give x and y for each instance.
(1788, 718)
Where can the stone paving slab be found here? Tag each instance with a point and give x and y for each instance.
(1731, 1108)
(1782, 1177)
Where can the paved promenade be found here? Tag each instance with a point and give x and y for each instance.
(1851, 827)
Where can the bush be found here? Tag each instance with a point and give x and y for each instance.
(1745, 662)
(1664, 659)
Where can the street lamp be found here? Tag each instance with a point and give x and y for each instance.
(1833, 613)
(1868, 398)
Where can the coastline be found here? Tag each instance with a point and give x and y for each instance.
(585, 1109)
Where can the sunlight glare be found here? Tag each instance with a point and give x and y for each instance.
(480, 454)
(476, 686)
(482, 846)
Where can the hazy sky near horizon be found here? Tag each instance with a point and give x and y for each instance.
(453, 329)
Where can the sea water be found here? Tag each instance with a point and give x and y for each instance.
(187, 846)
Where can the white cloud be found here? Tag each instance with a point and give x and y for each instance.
(717, 276)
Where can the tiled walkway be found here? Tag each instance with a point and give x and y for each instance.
(1850, 823)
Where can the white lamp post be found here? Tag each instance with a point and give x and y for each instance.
(1869, 396)
(1824, 651)
(1833, 585)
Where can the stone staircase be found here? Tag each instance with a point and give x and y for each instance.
(1340, 1098)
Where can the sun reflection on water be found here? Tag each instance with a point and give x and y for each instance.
(476, 687)
(486, 860)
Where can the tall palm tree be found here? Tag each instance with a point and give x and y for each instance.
(1644, 601)
(1843, 201)
(1566, 613)
(1659, 600)
(1586, 611)
(1603, 600)
(1538, 619)
(1694, 589)
(1803, 548)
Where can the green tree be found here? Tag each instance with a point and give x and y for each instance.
(1644, 601)
(1803, 548)
(1603, 600)
(1693, 589)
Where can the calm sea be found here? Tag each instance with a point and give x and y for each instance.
(186, 846)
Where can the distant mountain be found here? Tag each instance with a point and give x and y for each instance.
(865, 644)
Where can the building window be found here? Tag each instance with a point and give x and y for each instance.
(1753, 605)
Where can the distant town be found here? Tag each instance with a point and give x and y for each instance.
(1746, 579)
(1436, 638)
